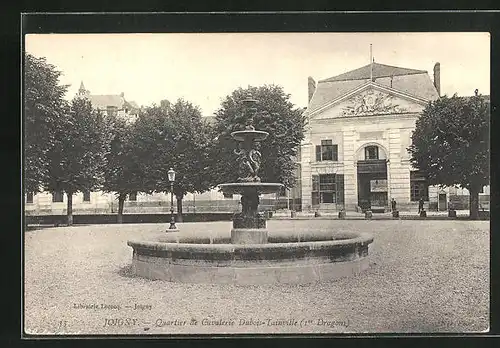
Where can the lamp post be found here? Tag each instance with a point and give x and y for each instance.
(171, 178)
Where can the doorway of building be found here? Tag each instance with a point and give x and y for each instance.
(442, 202)
(372, 185)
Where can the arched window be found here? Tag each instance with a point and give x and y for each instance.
(371, 152)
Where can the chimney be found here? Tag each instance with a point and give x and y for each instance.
(437, 77)
(311, 87)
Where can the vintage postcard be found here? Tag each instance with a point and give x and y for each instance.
(256, 183)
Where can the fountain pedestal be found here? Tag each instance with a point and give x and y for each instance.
(248, 236)
(249, 226)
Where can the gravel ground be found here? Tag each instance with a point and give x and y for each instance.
(425, 276)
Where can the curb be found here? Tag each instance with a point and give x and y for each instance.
(379, 218)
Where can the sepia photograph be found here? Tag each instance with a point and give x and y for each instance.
(256, 183)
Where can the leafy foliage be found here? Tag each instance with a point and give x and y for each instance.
(451, 143)
(78, 158)
(43, 110)
(173, 136)
(122, 173)
(277, 116)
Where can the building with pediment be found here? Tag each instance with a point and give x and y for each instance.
(354, 154)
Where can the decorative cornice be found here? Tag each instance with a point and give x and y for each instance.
(375, 86)
(387, 116)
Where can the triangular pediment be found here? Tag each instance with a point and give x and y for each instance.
(369, 100)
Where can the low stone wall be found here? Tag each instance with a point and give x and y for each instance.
(127, 218)
(148, 207)
(462, 202)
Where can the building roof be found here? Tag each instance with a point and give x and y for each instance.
(379, 70)
(103, 101)
(410, 81)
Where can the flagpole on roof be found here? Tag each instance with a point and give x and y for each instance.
(371, 63)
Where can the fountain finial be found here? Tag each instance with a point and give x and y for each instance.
(250, 103)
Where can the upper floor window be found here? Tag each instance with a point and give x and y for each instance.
(371, 152)
(86, 196)
(57, 196)
(29, 197)
(327, 151)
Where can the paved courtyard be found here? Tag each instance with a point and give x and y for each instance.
(425, 276)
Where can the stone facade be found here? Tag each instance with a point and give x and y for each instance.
(365, 118)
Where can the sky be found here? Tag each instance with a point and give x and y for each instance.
(205, 68)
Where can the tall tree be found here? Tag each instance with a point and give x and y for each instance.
(174, 136)
(77, 160)
(451, 144)
(122, 173)
(43, 108)
(276, 115)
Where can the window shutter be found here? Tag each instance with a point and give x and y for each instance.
(315, 183)
(335, 152)
(318, 153)
(339, 180)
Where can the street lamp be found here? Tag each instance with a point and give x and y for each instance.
(171, 178)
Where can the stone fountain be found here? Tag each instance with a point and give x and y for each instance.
(252, 255)
(249, 226)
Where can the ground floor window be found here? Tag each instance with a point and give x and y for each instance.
(29, 197)
(132, 196)
(57, 196)
(327, 188)
(419, 186)
(86, 196)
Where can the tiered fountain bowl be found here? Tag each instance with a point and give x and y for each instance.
(251, 255)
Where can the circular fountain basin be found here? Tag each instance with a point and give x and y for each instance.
(240, 187)
(285, 259)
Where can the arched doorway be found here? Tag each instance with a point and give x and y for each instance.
(372, 177)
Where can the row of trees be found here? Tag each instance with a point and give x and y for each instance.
(71, 147)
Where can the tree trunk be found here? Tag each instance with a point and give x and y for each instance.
(121, 203)
(179, 209)
(70, 208)
(474, 202)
